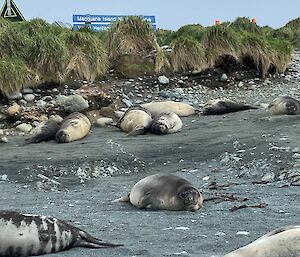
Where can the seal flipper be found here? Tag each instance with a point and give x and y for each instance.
(123, 199)
(136, 132)
(88, 241)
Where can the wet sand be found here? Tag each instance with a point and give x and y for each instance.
(234, 150)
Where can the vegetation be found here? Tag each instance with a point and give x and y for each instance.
(35, 51)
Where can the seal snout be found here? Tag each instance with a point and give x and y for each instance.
(62, 137)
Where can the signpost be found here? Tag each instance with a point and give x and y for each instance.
(10, 11)
(103, 22)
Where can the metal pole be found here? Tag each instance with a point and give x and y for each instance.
(8, 4)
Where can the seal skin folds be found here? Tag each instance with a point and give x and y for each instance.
(26, 235)
(164, 192)
(282, 242)
(74, 127)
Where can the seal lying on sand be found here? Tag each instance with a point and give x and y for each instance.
(25, 235)
(74, 127)
(181, 109)
(282, 242)
(164, 192)
(222, 106)
(45, 132)
(135, 121)
(166, 123)
(284, 105)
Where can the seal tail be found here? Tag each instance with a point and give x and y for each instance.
(88, 241)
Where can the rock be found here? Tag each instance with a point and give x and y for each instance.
(1, 132)
(164, 94)
(13, 110)
(163, 80)
(29, 97)
(24, 127)
(41, 103)
(224, 77)
(72, 103)
(58, 119)
(127, 102)
(179, 91)
(14, 96)
(27, 91)
(268, 177)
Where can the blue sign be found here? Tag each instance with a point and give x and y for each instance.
(106, 18)
(98, 27)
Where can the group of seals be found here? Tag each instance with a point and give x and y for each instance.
(25, 235)
(74, 127)
(138, 120)
(282, 242)
(164, 192)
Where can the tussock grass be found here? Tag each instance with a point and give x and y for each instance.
(220, 41)
(15, 75)
(245, 24)
(134, 36)
(187, 54)
(87, 56)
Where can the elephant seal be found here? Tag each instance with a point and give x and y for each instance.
(135, 121)
(74, 127)
(181, 109)
(284, 105)
(164, 192)
(166, 123)
(222, 106)
(26, 235)
(44, 132)
(282, 242)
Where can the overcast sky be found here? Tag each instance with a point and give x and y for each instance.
(170, 14)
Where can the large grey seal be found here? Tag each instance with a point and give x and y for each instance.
(180, 108)
(135, 121)
(164, 192)
(222, 106)
(282, 242)
(284, 105)
(166, 123)
(25, 235)
(74, 127)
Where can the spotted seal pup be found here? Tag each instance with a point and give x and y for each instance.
(74, 127)
(164, 192)
(26, 235)
(222, 106)
(282, 242)
(284, 105)
(166, 123)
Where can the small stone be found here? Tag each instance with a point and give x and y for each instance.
(14, 96)
(224, 77)
(24, 127)
(163, 80)
(27, 91)
(29, 97)
(13, 110)
(41, 103)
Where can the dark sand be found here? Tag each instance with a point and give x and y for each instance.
(256, 144)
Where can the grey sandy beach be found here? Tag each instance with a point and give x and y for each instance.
(246, 159)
